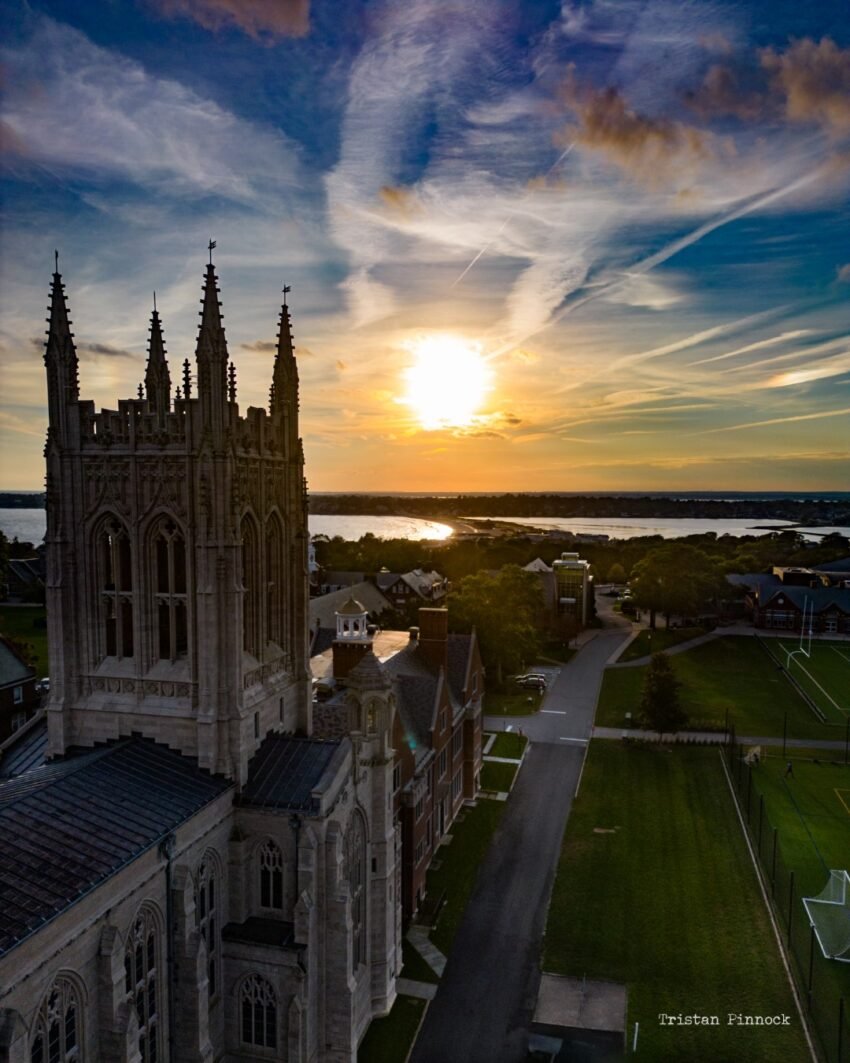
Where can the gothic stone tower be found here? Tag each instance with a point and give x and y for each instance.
(176, 553)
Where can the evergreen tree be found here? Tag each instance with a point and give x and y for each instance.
(660, 709)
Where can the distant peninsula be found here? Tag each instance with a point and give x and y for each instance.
(804, 511)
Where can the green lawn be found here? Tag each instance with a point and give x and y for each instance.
(508, 744)
(661, 639)
(458, 869)
(824, 675)
(731, 673)
(512, 703)
(665, 899)
(414, 966)
(390, 1039)
(19, 622)
(497, 777)
(811, 813)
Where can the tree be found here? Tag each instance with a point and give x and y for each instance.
(616, 573)
(504, 608)
(675, 578)
(660, 709)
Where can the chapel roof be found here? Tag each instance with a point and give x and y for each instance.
(286, 772)
(72, 823)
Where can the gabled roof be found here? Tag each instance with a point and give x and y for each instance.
(537, 565)
(286, 771)
(71, 824)
(325, 607)
(842, 565)
(417, 705)
(459, 648)
(12, 668)
(817, 599)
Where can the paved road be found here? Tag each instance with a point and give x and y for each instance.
(486, 998)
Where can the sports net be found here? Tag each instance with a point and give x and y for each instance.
(829, 914)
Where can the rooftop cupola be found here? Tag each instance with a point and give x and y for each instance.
(157, 377)
(353, 639)
(60, 359)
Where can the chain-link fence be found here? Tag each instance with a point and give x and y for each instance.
(820, 981)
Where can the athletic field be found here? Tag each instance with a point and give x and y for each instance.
(822, 671)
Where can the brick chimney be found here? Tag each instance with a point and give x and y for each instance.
(434, 636)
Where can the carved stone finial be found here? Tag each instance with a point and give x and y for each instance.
(211, 248)
(177, 396)
(231, 382)
(187, 379)
(141, 392)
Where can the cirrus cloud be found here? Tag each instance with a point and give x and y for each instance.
(264, 20)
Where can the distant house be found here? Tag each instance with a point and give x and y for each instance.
(548, 590)
(781, 600)
(25, 578)
(18, 698)
(403, 587)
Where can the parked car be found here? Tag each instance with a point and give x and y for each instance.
(43, 686)
(537, 682)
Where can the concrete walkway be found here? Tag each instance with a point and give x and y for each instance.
(418, 938)
(486, 999)
(717, 738)
(409, 988)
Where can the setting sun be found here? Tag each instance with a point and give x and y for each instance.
(448, 382)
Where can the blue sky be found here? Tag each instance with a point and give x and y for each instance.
(635, 214)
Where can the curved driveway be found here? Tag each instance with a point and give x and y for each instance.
(487, 995)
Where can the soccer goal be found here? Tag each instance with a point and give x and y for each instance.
(829, 915)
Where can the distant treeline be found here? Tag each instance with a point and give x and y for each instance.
(22, 500)
(802, 511)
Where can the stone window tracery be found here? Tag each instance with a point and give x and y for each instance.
(259, 1012)
(355, 873)
(275, 598)
(170, 591)
(206, 907)
(141, 982)
(250, 561)
(271, 876)
(57, 1028)
(115, 570)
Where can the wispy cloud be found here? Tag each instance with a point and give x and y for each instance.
(817, 416)
(261, 19)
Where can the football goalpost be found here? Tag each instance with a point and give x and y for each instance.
(829, 916)
(805, 647)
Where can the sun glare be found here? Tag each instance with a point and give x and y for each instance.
(448, 382)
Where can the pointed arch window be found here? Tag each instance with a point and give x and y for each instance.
(274, 581)
(206, 907)
(271, 876)
(142, 984)
(57, 1030)
(355, 868)
(259, 1012)
(250, 580)
(170, 591)
(115, 572)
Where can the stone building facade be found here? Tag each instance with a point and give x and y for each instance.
(190, 874)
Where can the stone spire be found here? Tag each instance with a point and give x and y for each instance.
(285, 377)
(157, 377)
(60, 359)
(211, 357)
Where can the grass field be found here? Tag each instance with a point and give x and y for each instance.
(497, 777)
(458, 870)
(824, 675)
(19, 622)
(731, 674)
(508, 744)
(661, 639)
(390, 1039)
(666, 900)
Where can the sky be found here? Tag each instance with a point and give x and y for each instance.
(532, 246)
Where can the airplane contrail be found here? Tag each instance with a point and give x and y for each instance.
(510, 216)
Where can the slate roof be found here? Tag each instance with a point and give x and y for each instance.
(416, 699)
(458, 658)
(818, 598)
(12, 668)
(323, 639)
(26, 749)
(840, 566)
(71, 824)
(285, 771)
(324, 607)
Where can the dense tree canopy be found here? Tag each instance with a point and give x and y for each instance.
(676, 578)
(503, 607)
